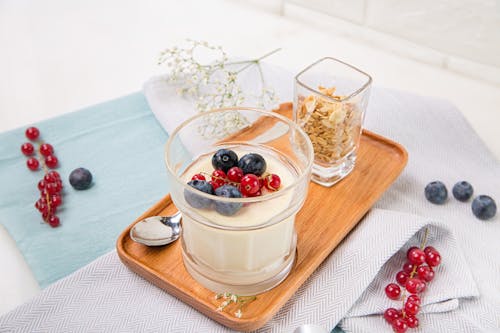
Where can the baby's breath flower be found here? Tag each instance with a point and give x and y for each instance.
(238, 313)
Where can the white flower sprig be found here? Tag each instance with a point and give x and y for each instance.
(239, 301)
(213, 85)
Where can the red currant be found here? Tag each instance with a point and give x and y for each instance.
(198, 176)
(32, 133)
(235, 174)
(215, 185)
(412, 308)
(416, 256)
(401, 277)
(56, 200)
(408, 267)
(261, 182)
(53, 221)
(32, 163)
(49, 178)
(414, 285)
(219, 177)
(27, 149)
(411, 321)
(51, 161)
(429, 249)
(54, 174)
(391, 314)
(414, 299)
(41, 184)
(249, 185)
(272, 182)
(393, 291)
(256, 194)
(399, 325)
(433, 258)
(425, 273)
(51, 188)
(46, 149)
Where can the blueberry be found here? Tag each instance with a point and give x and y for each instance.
(224, 159)
(484, 207)
(252, 163)
(195, 200)
(462, 191)
(80, 179)
(436, 192)
(228, 208)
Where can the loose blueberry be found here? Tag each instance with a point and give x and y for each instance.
(252, 163)
(80, 179)
(436, 192)
(462, 191)
(195, 200)
(227, 208)
(484, 207)
(224, 159)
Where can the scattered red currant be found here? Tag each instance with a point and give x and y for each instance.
(414, 285)
(414, 299)
(412, 308)
(51, 161)
(411, 321)
(46, 149)
(27, 149)
(425, 273)
(402, 277)
(408, 267)
(32, 133)
(391, 314)
(399, 325)
(32, 164)
(416, 256)
(53, 221)
(393, 291)
(433, 258)
(272, 182)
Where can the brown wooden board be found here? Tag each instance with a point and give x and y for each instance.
(325, 219)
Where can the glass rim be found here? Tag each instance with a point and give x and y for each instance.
(269, 196)
(356, 92)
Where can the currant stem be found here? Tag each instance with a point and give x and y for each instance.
(45, 171)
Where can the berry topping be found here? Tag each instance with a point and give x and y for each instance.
(235, 174)
(392, 291)
(215, 185)
(227, 208)
(462, 191)
(46, 149)
(425, 273)
(224, 159)
(416, 256)
(436, 192)
(484, 207)
(272, 182)
(51, 161)
(219, 177)
(249, 185)
(32, 133)
(80, 179)
(27, 149)
(32, 164)
(198, 176)
(253, 164)
(391, 314)
(195, 200)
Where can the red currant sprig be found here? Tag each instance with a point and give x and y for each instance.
(50, 186)
(416, 273)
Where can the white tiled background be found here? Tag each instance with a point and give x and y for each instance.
(57, 56)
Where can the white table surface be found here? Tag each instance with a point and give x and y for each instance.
(57, 56)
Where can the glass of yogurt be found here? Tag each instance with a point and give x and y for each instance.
(242, 244)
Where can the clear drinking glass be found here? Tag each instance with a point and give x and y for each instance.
(252, 250)
(329, 104)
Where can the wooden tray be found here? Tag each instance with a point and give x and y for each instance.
(326, 218)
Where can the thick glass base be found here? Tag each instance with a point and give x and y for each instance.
(332, 174)
(241, 283)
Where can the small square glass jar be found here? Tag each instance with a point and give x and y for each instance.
(330, 101)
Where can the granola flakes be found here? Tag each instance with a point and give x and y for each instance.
(333, 127)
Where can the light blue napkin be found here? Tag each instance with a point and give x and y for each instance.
(122, 144)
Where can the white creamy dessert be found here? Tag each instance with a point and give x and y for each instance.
(241, 257)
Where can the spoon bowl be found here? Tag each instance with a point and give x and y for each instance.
(157, 230)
